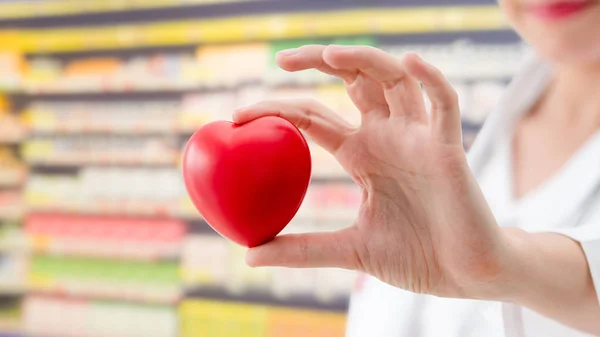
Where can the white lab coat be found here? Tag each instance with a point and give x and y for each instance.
(569, 203)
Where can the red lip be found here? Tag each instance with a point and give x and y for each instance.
(560, 10)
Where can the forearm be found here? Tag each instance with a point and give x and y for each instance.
(549, 274)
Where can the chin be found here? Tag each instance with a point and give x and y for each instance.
(564, 46)
(570, 54)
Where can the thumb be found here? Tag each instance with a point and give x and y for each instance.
(313, 250)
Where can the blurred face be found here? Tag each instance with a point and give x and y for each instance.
(562, 31)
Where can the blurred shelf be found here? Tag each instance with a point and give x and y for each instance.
(107, 209)
(113, 256)
(138, 131)
(13, 248)
(339, 304)
(38, 165)
(383, 21)
(116, 95)
(137, 299)
(12, 289)
(11, 215)
(37, 9)
(11, 140)
(12, 177)
(11, 327)
(138, 92)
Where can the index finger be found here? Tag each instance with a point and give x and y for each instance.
(321, 124)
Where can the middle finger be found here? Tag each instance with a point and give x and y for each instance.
(366, 93)
(402, 91)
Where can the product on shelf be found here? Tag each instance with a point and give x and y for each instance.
(331, 202)
(100, 150)
(156, 281)
(210, 263)
(201, 108)
(141, 73)
(11, 237)
(117, 191)
(11, 70)
(111, 237)
(11, 128)
(11, 205)
(126, 117)
(12, 171)
(10, 316)
(47, 316)
(228, 65)
(208, 318)
(468, 61)
(13, 269)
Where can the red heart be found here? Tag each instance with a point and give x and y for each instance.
(249, 180)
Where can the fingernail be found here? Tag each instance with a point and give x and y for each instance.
(287, 52)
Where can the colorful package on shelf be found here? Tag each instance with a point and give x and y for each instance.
(11, 236)
(10, 316)
(299, 323)
(210, 262)
(140, 73)
(46, 316)
(11, 128)
(205, 318)
(133, 117)
(463, 60)
(336, 98)
(332, 201)
(11, 70)
(199, 109)
(228, 65)
(204, 260)
(42, 73)
(209, 318)
(101, 278)
(243, 278)
(101, 150)
(105, 191)
(13, 270)
(12, 171)
(111, 237)
(11, 205)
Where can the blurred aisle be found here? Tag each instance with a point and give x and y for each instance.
(97, 101)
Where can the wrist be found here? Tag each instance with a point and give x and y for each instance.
(512, 284)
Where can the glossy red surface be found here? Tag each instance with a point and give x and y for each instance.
(249, 180)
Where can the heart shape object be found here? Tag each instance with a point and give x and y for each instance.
(248, 181)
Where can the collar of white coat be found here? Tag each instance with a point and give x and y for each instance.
(520, 95)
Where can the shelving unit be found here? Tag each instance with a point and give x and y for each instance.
(103, 97)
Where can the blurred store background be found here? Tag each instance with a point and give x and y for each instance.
(97, 100)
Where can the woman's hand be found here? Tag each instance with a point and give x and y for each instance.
(423, 225)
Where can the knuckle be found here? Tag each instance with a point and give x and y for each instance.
(304, 249)
(304, 122)
(453, 97)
